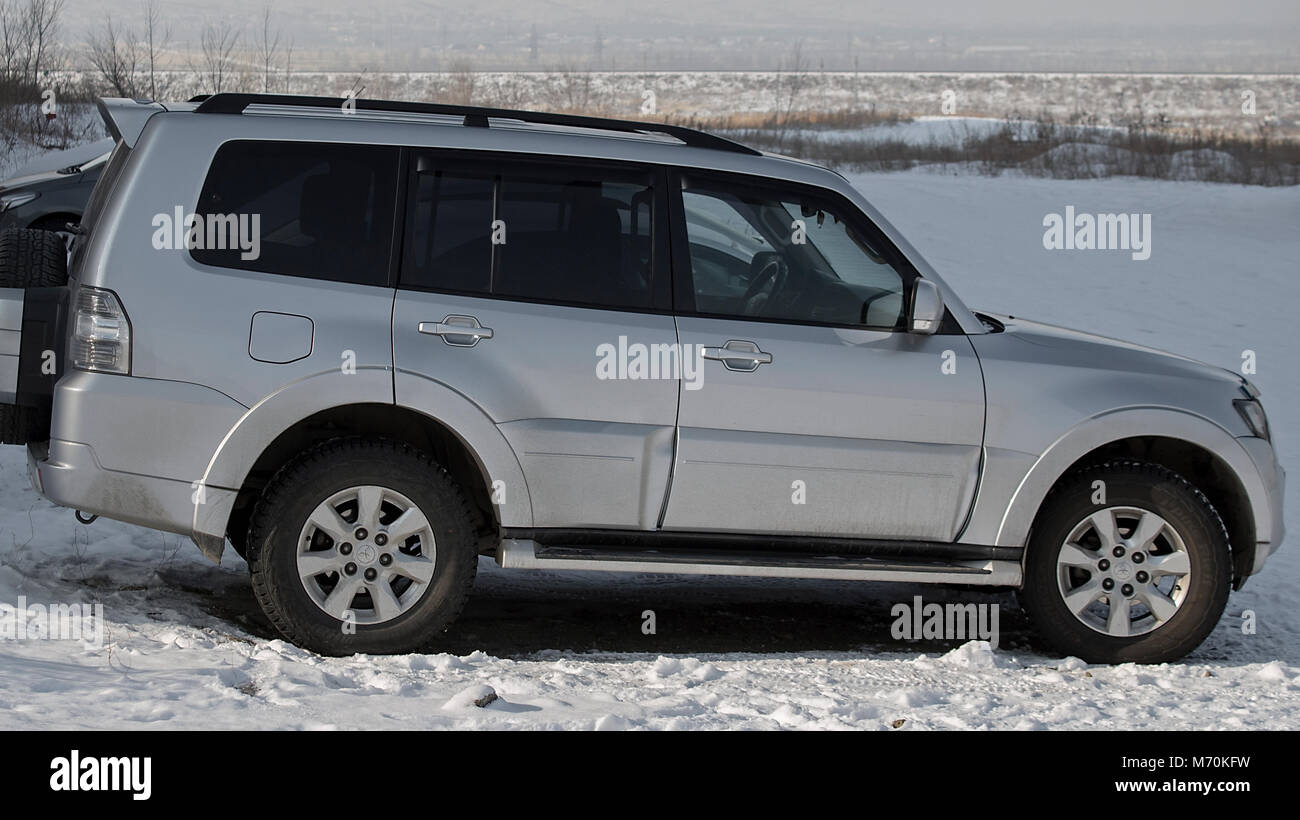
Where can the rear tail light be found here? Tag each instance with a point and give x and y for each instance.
(101, 333)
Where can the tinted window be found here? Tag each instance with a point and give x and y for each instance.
(545, 233)
(448, 241)
(775, 254)
(318, 210)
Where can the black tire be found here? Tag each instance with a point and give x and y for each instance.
(29, 259)
(1146, 487)
(333, 467)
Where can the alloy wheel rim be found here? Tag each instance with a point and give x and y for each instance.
(1123, 571)
(366, 555)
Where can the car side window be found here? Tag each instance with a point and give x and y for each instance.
(449, 231)
(319, 210)
(764, 253)
(532, 231)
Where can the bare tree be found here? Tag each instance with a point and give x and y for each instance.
(572, 88)
(45, 23)
(28, 32)
(460, 82)
(792, 80)
(268, 48)
(9, 36)
(217, 48)
(156, 37)
(115, 56)
(288, 64)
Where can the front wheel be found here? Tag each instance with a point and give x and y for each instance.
(1128, 562)
(362, 546)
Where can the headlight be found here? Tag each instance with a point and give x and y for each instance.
(1253, 413)
(14, 200)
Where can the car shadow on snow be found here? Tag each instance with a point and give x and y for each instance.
(516, 614)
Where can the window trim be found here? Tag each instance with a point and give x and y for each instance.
(661, 276)
(397, 250)
(683, 281)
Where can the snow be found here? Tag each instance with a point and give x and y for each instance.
(186, 648)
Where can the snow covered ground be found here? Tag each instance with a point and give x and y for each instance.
(187, 648)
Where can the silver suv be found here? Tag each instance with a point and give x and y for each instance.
(367, 342)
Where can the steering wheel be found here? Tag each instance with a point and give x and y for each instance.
(764, 284)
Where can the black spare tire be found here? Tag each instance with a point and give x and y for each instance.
(29, 259)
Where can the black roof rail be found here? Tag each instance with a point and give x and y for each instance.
(474, 116)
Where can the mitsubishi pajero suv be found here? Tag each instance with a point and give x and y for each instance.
(367, 342)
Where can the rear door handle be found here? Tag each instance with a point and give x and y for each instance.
(738, 355)
(457, 330)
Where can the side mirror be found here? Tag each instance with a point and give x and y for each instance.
(927, 308)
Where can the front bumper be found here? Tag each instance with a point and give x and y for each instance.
(1267, 504)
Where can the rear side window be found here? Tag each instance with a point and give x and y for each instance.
(532, 231)
(449, 238)
(318, 210)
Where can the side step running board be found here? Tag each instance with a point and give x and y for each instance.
(520, 553)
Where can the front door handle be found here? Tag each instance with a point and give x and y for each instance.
(456, 330)
(738, 355)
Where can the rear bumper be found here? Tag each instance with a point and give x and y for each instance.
(69, 474)
(114, 435)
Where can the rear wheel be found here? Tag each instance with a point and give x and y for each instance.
(29, 259)
(362, 546)
(1128, 562)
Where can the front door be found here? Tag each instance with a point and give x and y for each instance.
(817, 413)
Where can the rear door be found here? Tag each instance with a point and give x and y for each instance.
(816, 414)
(523, 285)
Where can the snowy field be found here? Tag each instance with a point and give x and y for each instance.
(187, 648)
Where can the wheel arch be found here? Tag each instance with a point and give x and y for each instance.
(302, 415)
(54, 220)
(419, 430)
(1202, 452)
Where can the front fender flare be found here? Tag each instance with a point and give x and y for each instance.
(1124, 423)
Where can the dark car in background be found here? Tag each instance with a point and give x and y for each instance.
(51, 199)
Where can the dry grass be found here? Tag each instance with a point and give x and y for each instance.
(1038, 147)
